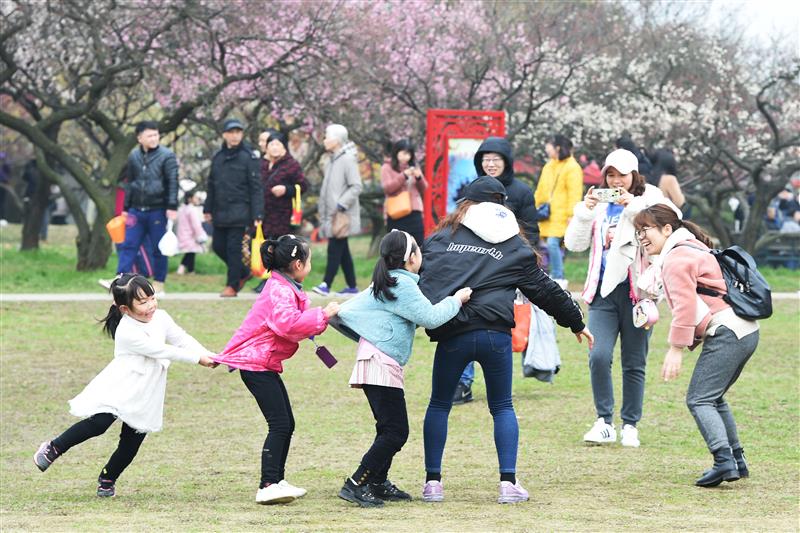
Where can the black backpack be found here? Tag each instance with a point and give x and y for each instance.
(748, 294)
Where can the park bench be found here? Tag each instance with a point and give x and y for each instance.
(780, 250)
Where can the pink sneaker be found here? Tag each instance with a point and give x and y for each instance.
(433, 491)
(510, 493)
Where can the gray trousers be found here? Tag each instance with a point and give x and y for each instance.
(718, 367)
(609, 317)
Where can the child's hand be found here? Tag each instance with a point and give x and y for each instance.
(463, 294)
(332, 309)
(207, 362)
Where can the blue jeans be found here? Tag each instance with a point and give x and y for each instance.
(468, 376)
(554, 254)
(492, 349)
(151, 223)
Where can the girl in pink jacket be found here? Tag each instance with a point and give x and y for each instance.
(270, 333)
(680, 250)
(191, 234)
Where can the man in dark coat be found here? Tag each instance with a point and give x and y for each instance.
(235, 201)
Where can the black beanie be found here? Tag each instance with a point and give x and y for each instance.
(278, 136)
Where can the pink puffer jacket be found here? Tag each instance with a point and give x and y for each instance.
(270, 333)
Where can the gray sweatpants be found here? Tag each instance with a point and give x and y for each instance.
(609, 317)
(718, 367)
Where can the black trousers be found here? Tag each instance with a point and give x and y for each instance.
(227, 244)
(411, 224)
(270, 394)
(188, 261)
(339, 254)
(388, 406)
(128, 447)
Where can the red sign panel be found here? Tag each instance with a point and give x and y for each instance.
(452, 138)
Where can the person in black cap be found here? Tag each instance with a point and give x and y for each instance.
(479, 246)
(234, 202)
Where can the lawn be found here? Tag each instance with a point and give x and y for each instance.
(52, 268)
(201, 472)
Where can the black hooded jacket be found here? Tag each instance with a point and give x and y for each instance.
(494, 268)
(235, 195)
(520, 196)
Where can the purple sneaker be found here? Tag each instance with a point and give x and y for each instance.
(433, 491)
(349, 291)
(45, 455)
(322, 289)
(510, 493)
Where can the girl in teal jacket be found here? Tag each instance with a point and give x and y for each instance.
(385, 317)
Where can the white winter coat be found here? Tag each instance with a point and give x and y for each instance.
(585, 229)
(133, 384)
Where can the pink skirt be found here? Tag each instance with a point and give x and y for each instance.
(373, 367)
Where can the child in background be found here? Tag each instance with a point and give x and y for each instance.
(386, 316)
(685, 264)
(191, 234)
(279, 319)
(132, 386)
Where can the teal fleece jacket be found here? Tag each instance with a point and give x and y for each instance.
(390, 325)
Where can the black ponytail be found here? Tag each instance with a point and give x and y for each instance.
(125, 289)
(278, 254)
(393, 250)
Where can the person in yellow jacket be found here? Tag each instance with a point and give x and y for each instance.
(560, 185)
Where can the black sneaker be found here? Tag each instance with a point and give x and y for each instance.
(360, 494)
(105, 487)
(388, 491)
(45, 455)
(463, 394)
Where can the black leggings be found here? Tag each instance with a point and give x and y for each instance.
(388, 406)
(272, 399)
(128, 447)
(188, 261)
(339, 254)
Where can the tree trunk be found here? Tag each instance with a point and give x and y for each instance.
(33, 213)
(753, 224)
(94, 248)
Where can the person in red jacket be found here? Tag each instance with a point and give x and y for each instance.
(682, 250)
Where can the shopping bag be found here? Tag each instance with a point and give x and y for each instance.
(542, 359)
(398, 206)
(116, 229)
(297, 209)
(340, 225)
(256, 264)
(522, 324)
(168, 245)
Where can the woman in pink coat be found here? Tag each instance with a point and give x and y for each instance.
(191, 234)
(270, 333)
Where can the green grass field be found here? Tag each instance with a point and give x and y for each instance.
(52, 268)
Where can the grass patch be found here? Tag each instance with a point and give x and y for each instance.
(52, 268)
(201, 472)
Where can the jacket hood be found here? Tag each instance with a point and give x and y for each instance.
(494, 223)
(501, 146)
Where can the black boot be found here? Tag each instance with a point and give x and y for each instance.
(741, 462)
(724, 469)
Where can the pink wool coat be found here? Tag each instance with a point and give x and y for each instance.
(190, 229)
(271, 331)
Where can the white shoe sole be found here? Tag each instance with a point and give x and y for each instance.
(630, 444)
(601, 441)
(512, 499)
(281, 499)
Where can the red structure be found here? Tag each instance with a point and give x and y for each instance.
(444, 125)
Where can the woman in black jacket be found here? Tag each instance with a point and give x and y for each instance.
(479, 246)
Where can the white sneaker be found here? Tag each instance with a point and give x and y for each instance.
(630, 436)
(298, 492)
(181, 270)
(601, 433)
(105, 283)
(275, 493)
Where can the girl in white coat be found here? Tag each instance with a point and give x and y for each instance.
(132, 386)
(615, 261)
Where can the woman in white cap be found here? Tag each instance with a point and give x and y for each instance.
(604, 222)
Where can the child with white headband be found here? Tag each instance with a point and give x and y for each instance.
(385, 317)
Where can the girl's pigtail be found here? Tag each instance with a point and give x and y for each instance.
(268, 254)
(382, 282)
(698, 232)
(111, 321)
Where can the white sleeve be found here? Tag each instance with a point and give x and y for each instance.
(136, 341)
(177, 336)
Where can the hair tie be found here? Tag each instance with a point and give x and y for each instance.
(294, 250)
(409, 245)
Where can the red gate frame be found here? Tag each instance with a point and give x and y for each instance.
(442, 125)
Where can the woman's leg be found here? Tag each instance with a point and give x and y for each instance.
(335, 252)
(633, 359)
(128, 447)
(604, 325)
(496, 359)
(556, 261)
(82, 431)
(270, 394)
(347, 265)
(448, 363)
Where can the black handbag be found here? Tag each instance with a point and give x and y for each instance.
(543, 211)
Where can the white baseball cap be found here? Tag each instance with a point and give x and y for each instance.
(623, 160)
